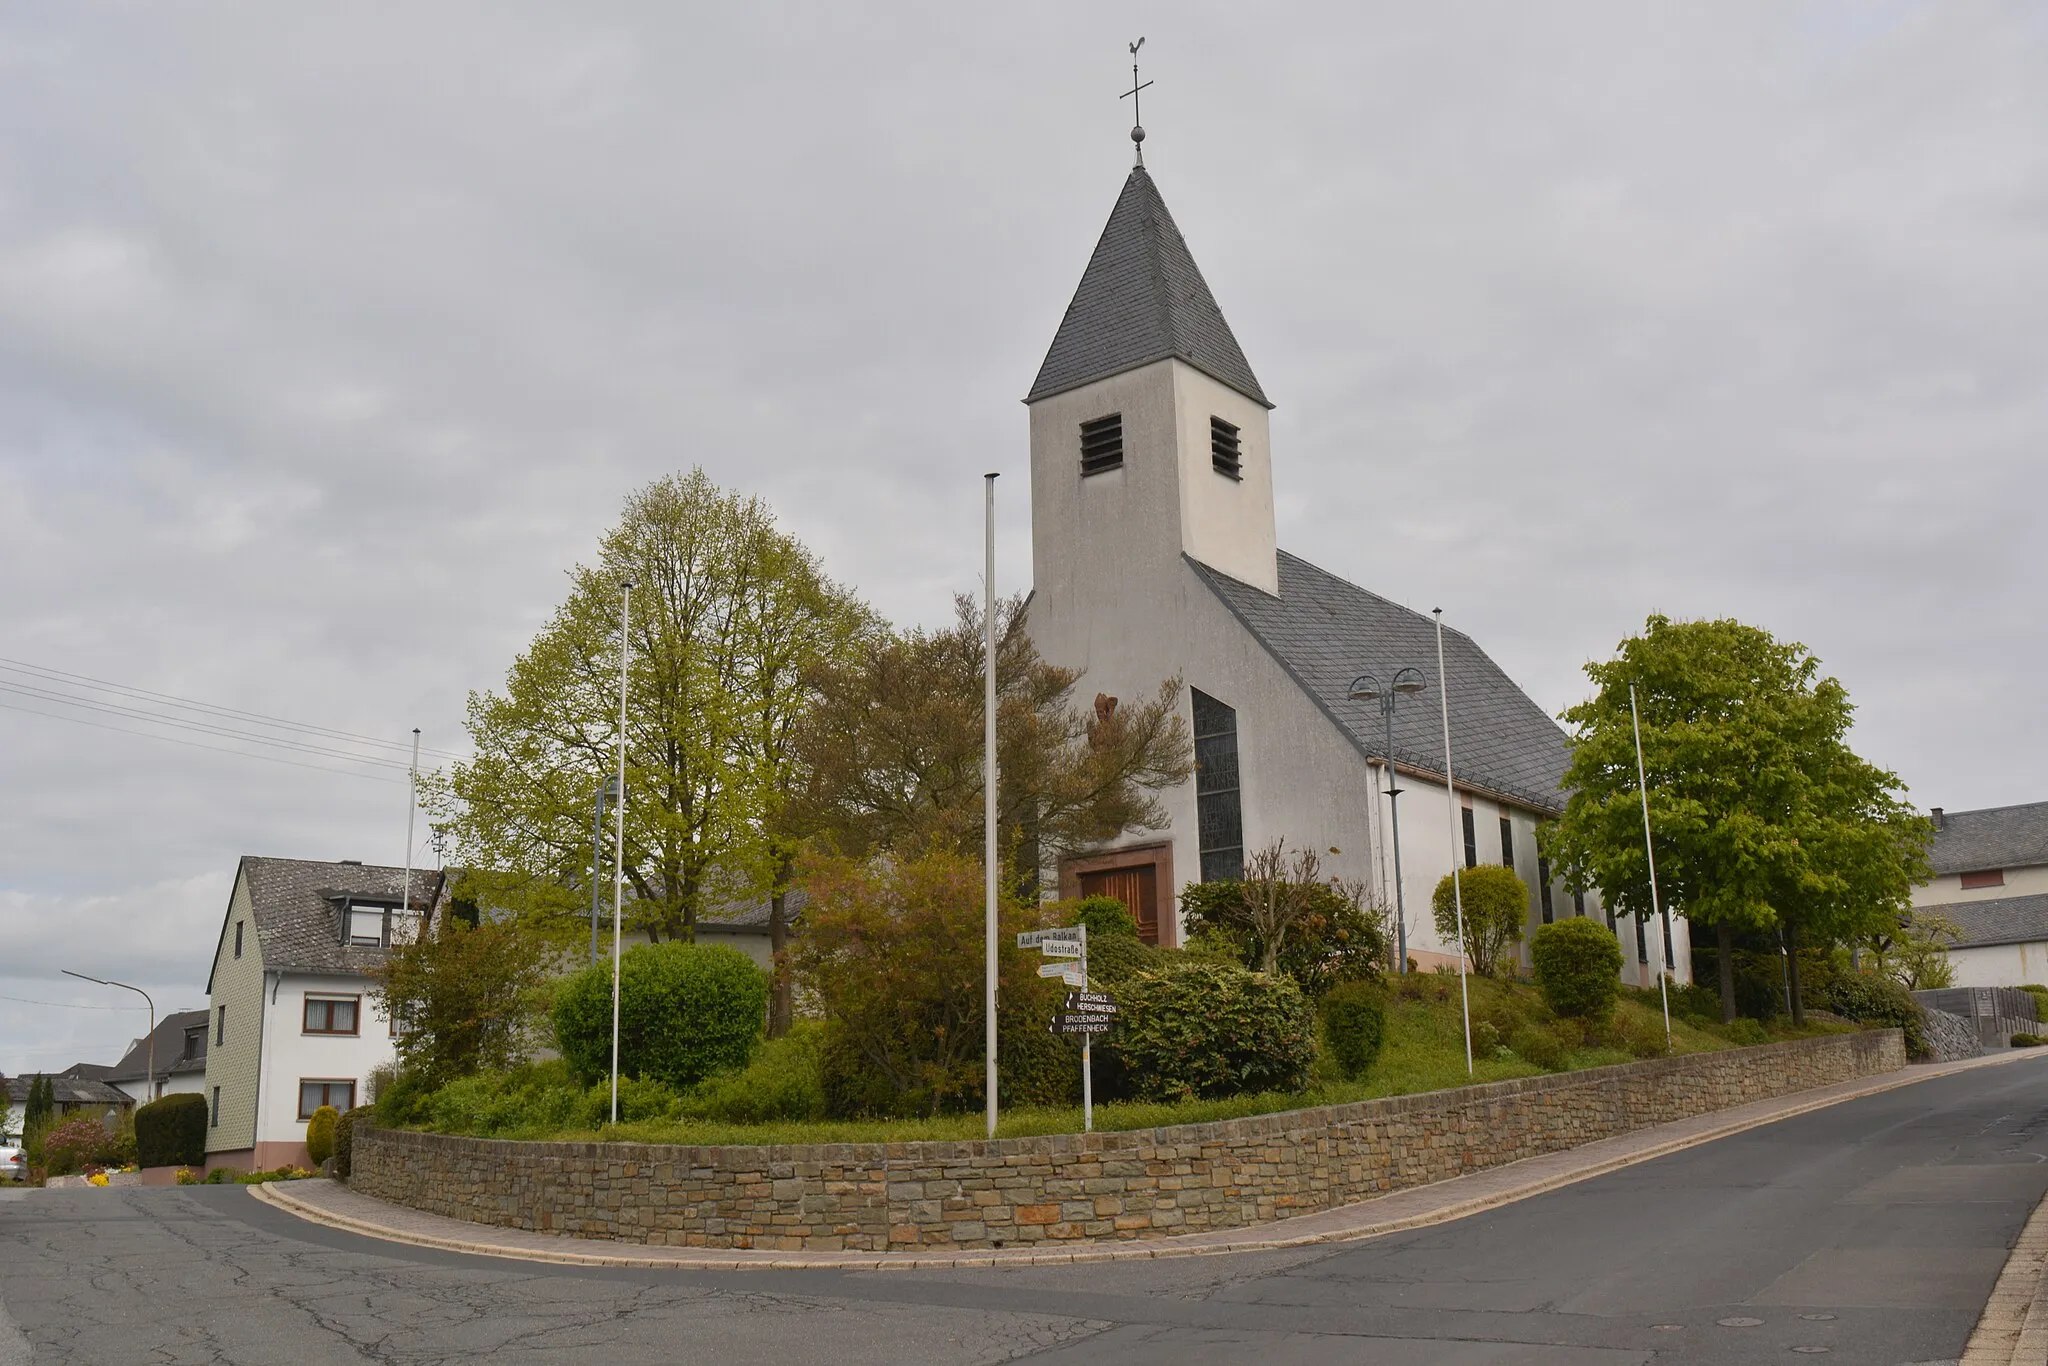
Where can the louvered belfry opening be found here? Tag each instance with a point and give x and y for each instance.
(1224, 451)
(1102, 444)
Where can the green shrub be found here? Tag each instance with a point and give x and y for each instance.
(1578, 966)
(2026, 1040)
(640, 1099)
(399, 1097)
(223, 1176)
(528, 1101)
(785, 1081)
(1115, 961)
(1336, 938)
(685, 1011)
(2040, 995)
(1205, 1029)
(171, 1132)
(77, 1143)
(345, 1139)
(1105, 917)
(320, 1134)
(1636, 1031)
(1496, 913)
(1355, 1024)
(1532, 1043)
(1747, 1032)
(1878, 1002)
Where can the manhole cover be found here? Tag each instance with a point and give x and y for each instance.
(1740, 1323)
(1818, 1318)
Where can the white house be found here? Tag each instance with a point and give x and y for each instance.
(176, 1049)
(1991, 879)
(292, 1025)
(1154, 556)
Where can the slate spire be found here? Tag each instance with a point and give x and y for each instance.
(1142, 299)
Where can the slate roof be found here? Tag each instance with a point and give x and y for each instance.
(1142, 299)
(1997, 920)
(68, 1091)
(296, 907)
(1325, 632)
(1995, 837)
(170, 1049)
(751, 917)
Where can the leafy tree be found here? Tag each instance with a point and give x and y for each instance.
(463, 999)
(892, 947)
(730, 617)
(1914, 951)
(40, 1106)
(1496, 911)
(893, 753)
(1764, 819)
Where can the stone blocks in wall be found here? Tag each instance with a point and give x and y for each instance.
(1069, 1188)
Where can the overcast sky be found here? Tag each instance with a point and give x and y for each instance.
(327, 344)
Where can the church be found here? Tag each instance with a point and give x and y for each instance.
(1154, 556)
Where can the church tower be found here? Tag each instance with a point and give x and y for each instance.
(1148, 439)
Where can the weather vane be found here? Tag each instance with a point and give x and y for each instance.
(1137, 123)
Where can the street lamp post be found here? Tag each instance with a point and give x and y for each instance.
(1366, 688)
(149, 1084)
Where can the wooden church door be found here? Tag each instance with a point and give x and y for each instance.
(1137, 886)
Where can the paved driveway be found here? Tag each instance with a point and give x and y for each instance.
(1870, 1232)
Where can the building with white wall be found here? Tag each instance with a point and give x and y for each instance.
(291, 1019)
(175, 1050)
(1991, 879)
(1155, 557)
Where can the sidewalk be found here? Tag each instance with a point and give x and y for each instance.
(332, 1204)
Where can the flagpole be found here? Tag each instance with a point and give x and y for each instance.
(988, 791)
(1650, 853)
(619, 834)
(412, 806)
(1443, 691)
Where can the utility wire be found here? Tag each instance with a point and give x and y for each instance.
(190, 704)
(217, 749)
(134, 713)
(65, 1005)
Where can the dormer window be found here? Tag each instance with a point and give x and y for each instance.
(195, 1039)
(1102, 444)
(1225, 452)
(366, 926)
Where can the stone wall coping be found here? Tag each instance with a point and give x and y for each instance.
(1278, 1123)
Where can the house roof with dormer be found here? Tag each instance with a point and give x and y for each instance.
(1142, 299)
(1325, 631)
(297, 905)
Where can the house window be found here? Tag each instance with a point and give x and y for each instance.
(195, 1039)
(216, 1107)
(1989, 877)
(314, 1094)
(1507, 842)
(1579, 906)
(331, 1014)
(220, 1025)
(1219, 815)
(1642, 942)
(1471, 841)
(1102, 444)
(238, 939)
(1543, 881)
(1670, 950)
(367, 926)
(1225, 453)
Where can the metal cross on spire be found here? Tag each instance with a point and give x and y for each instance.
(1137, 123)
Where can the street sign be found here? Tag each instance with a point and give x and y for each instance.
(1079, 1024)
(1070, 971)
(1031, 939)
(1106, 1012)
(1062, 948)
(1100, 1001)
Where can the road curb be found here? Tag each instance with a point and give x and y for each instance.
(1191, 1245)
(2014, 1325)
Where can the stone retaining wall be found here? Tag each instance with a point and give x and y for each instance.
(1071, 1187)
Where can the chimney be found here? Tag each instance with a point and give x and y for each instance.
(1939, 819)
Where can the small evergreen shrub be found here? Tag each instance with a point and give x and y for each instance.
(1578, 966)
(1106, 918)
(785, 1081)
(1879, 1003)
(171, 1132)
(1747, 1032)
(1355, 1025)
(1638, 1033)
(2026, 1040)
(345, 1139)
(320, 1134)
(685, 1012)
(1208, 1029)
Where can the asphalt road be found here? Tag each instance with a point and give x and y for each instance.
(1869, 1232)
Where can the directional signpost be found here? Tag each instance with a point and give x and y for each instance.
(1086, 1013)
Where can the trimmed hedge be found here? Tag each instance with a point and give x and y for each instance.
(1208, 1029)
(172, 1132)
(685, 1012)
(345, 1138)
(1578, 967)
(320, 1134)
